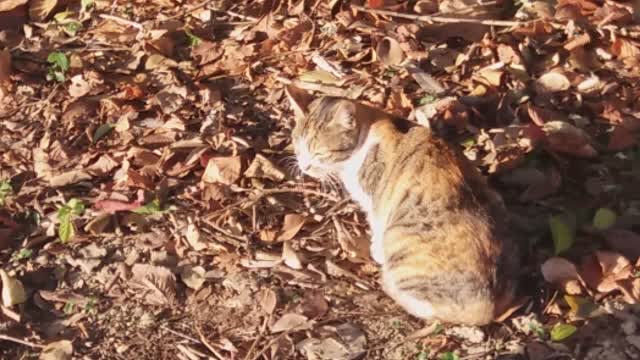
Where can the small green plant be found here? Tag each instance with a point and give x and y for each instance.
(69, 307)
(5, 191)
(423, 355)
(90, 305)
(427, 99)
(22, 254)
(66, 214)
(538, 330)
(69, 25)
(150, 208)
(59, 66)
(192, 39)
(449, 356)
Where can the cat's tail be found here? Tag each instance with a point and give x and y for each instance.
(453, 298)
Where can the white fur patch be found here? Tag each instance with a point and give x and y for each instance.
(349, 176)
(416, 307)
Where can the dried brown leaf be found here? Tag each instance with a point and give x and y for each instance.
(158, 281)
(268, 300)
(390, 52)
(8, 5)
(566, 138)
(562, 273)
(225, 170)
(552, 82)
(39, 10)
(68, 178)
(290, 321)
(59, 350)
(290, 257)
(193, 276)
(291, 226)
(261, 167)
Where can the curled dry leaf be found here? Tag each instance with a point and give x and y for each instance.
(225, 170)
(551, 82)
(614, 267)
(13, 292)
(192, 234)
(290, 257)
(566, 138)
(68, 178)
(390, 52)
(59, 350)
(291, 226)
(290, 321)
(563, 274)
(261, 167)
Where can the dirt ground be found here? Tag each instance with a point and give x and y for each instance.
(150, 205)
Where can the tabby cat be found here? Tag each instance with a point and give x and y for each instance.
(438, 230)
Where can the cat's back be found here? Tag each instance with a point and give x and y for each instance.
(444, 241)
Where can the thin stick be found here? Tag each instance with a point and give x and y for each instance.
(122, 21)
(206, 344)
(439, 19)
(20, 341)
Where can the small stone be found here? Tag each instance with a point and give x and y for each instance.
(629, 327)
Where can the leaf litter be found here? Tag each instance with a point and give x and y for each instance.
(150, 205)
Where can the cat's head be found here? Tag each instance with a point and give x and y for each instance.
(328, 131)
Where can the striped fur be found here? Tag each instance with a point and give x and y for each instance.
(437, 228)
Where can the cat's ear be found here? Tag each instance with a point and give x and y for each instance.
(345, 114)
(299, 100)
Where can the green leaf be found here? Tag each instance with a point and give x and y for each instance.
(72, 28)
(562, 331)
(64, 213)
(428, 99)
(76, 206)
(62, 16)
(423, 355)
(103, 130)
(58, 60)
(66, 231)
(580, 307)
(538, 330)
(85, 4)
(150, 208)
(22, 254)
(562, 231)
(5, 191)
(449, 356)
(192, 39)
(604, 219)
(68, 308)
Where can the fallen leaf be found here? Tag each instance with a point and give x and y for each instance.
(261, 167)
(614, 267)
(551, 82)
(290, 257)
(59, 350)
(39, 10)
(79, 86)
(157, 283)
(290, 321)
(313, 304)
(268, 300)
(390, 52)
(112, 206)
(566, 138)
(69, 178)
(624, 241)
(563, 230)
(561, 332)
(104, 165)
(192, 234)
(582, 308)
(13, 292)
(225, 170)
(291, 226)
(8, 5)
(623, 48)
(604, 218)
(193, 276)
(562, 273)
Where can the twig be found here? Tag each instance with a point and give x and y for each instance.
(20, 341)
(206, 344)
(439, 19)
(122, 21)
